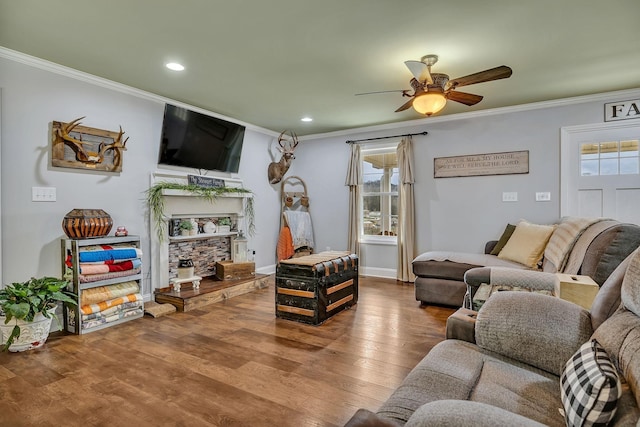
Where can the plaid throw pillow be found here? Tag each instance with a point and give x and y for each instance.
(589, 387)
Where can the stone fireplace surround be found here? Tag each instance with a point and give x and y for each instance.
(206, 249)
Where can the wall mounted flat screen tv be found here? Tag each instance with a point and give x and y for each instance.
(195, 140)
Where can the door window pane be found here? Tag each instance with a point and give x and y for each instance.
(610, 158)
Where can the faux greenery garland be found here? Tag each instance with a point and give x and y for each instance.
(155, 201)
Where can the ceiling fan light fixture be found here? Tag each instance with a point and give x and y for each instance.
(429, 103)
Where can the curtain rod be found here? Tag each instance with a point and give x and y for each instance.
(351, 141)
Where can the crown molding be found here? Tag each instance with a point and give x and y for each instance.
(604, 96)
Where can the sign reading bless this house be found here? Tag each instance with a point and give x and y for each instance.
(507, 163)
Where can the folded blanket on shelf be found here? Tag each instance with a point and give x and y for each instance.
(106, 253)
(92, 268)
(105, 293)
(121, 315)
(113, 310)
(88, 278)
(103, 305)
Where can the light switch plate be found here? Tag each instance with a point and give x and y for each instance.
(43, 194)
(510, 196)
(543, 196)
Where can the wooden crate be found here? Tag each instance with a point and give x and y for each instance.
(311, 289)
(229, 270)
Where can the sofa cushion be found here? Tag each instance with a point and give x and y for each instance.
(589, 387)
(441, 269)
(630, 291)
(425, 263)
(517, 325)
(607, 300)
(462, 413)
(526, 244)
(608, 250)
(458, 370)
(506, 234)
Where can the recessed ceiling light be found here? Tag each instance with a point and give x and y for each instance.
(175, 66)
(306, 119)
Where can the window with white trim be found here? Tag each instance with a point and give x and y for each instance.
(379, 192)
(610, 158)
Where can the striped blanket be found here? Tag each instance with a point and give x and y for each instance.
(111, 311)
(88, 278)
(103, 305)
(131, 312)
(105, 293)
(564, 238)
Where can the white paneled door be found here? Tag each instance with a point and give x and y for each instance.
(600, 171)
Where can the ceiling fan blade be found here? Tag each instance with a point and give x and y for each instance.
(380, 91)
(406, 105)
(463, 97)
(420, 71)
(501, 72)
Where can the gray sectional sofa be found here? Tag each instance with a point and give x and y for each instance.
(513, 374)
(596, 251)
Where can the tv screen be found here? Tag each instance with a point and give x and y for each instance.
(198, 141)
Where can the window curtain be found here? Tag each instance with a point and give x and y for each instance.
(354, 181)
(406, 212)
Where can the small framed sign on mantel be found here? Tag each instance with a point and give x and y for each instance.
(205, 181)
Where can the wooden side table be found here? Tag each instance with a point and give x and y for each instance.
(580, 290)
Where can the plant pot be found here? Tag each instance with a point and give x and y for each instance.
(224, 228)
(32, 334)
(184, 232)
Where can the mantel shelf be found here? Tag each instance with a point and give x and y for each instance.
(183, 193)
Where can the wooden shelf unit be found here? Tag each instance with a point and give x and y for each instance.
(77, 287)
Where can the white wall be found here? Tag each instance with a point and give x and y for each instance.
(31, 231)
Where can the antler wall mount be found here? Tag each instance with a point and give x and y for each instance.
(81, 147)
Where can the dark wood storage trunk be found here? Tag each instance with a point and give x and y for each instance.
(312, 288)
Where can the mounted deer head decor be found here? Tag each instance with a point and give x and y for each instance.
(277, 170)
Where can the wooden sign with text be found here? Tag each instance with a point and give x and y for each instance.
(622, 110)
(507, 163)
(205, 181)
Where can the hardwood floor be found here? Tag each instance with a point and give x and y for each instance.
(229, 364)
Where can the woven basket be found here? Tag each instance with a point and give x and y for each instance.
(86, 223)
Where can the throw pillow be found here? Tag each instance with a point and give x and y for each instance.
(526, 244)
(589, 387)
(506, 234)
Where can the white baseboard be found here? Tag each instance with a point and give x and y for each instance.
(269, 269)
(388, 273)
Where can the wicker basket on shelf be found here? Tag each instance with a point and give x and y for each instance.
(86, 223)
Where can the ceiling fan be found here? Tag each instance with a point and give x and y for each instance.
(431, 90)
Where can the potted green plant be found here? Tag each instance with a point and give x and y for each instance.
(224, 225)
(26, 311)
(185, 227)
